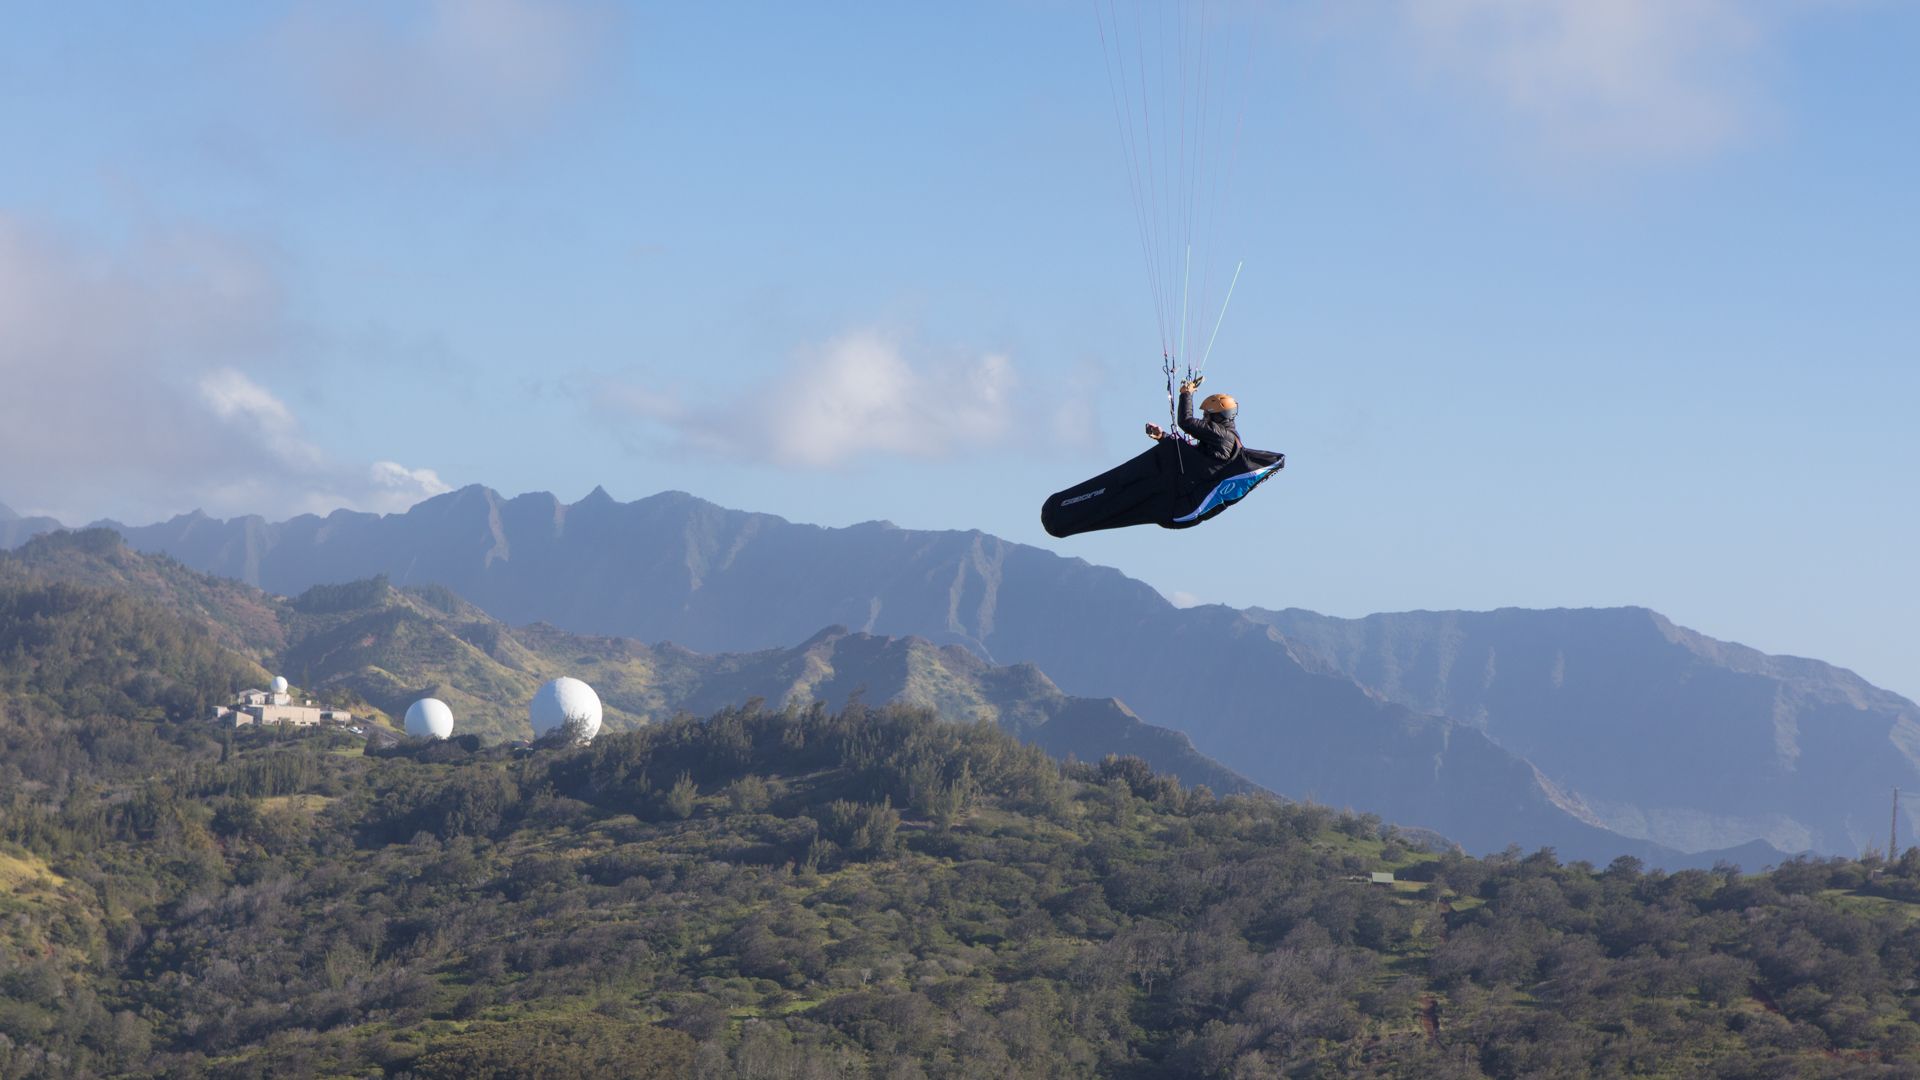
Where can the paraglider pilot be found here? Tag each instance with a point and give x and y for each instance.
(1172, 486)
(1215, 430)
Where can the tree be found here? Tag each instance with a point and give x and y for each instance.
(680, 797)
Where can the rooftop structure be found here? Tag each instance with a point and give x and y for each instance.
(276, 706)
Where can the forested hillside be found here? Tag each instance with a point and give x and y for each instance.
(375, 649)
(862, 893)
(674, 567)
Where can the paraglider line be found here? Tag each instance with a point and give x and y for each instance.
(1223, 314)
(1120, 91)
(1152, 171)
(1186, 281)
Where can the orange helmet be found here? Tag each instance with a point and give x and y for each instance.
(1220, 403)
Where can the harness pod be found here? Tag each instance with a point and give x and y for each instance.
(1168, 485)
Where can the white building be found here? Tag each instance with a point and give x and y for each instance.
(276, 706)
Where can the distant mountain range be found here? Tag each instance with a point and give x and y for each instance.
(16, 530)
(1656, 731)
(673, 567)
(367, 641)
(1283, 711)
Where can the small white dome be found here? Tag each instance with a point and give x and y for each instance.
(562, 701)
(429, 718)
(279, 684)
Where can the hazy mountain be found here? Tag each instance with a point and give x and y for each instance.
(675, 567)
(238, 615)
(368, 642)
(16, 530)
(394, 646)
(1658, 731)
(836, 666)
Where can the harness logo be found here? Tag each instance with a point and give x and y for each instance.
(1231, 490)
(1082, 498)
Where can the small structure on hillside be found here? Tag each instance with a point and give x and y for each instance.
(276, 706)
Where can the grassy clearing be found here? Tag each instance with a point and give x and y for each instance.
(20, 871)
(306, 804)
(1855, 903)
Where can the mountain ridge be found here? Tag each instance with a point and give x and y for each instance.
(368, 643)
(16, 529)
(675, 567)
(1789, 749)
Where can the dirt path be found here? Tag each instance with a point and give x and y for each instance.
(1430, 1018)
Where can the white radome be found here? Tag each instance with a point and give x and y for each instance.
(560, 701)
(429, 718)
(279, 684)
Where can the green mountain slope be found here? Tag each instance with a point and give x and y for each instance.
(239, 616)
(673, 567)
(100, 695)
(869, 893)
(369, 646)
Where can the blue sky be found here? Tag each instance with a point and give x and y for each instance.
(1549, 302)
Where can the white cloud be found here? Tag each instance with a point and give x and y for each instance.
(1609, 79)
(130, 385)
(397, 487)
(866, 393)
(232, 395)
(252, 412)
(860, 394)
(445, 71)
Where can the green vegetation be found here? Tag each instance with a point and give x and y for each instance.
(373, 649)
(799, 893)
(237, 615)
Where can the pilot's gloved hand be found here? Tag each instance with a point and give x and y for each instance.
(1154, 432)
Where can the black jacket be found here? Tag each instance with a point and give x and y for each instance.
(1172, 485)
(1218, 438)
